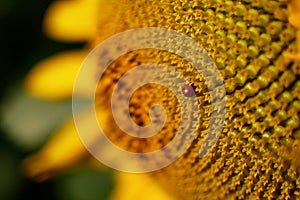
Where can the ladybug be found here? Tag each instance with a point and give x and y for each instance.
(188, 90)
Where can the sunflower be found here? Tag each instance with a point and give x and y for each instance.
(255, 45)
(53, 79)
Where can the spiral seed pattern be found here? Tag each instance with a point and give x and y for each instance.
(256, 156)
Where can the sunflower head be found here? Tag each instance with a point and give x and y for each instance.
(255, 47)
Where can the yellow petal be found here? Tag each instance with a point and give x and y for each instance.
(137, 186)
(75, 20)
(294, 15)
(63, 150)
(294, 19)
(54, 77)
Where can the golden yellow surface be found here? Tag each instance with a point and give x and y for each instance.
(255, 156)
(255, 45)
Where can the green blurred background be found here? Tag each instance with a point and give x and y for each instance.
(22, 45)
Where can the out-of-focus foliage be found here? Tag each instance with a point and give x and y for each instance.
(22, 45)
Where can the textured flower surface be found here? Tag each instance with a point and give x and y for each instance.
(255, 45)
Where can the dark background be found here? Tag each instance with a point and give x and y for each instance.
(22, 45)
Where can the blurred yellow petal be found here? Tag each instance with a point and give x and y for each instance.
(63, 150)
(75, 20)
(294, 19)
(53, 78)
(71, 20)
(137, 186)
(294, 15)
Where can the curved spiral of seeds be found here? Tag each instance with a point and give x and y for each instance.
(256, 156)
(160, 78)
